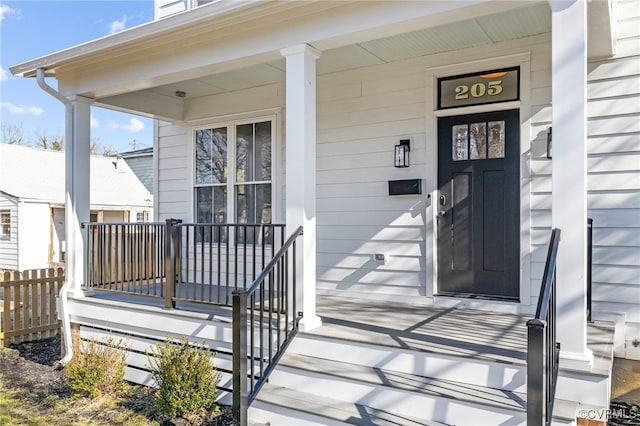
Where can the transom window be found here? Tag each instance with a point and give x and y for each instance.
(5, 224)
(233, 173)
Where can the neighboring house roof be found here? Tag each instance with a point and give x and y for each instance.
(136, 153)
(141, 162)
(39, 175)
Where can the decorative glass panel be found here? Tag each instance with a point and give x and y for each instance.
(211, 156)
(459, 145)
(496, 139)
(477, 141)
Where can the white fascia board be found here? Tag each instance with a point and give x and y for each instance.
(212, 39)
(217, 49)
(223, 12)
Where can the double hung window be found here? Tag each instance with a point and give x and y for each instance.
(233, 173)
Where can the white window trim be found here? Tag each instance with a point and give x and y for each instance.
(229, 121)
(6, 237)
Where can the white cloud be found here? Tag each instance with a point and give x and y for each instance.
(22, 109)
(4, 75)
(94, 122)
(117, 26)
(5, 11)
(134, 125)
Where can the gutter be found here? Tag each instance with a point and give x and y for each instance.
(64, 303)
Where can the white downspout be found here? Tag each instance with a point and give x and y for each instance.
(66, 323)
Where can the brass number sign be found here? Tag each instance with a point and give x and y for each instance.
(479, 88)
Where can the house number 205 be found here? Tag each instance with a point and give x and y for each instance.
(478, 90)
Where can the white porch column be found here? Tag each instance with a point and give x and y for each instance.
(569, 101)
(77, 178)
(301, 169)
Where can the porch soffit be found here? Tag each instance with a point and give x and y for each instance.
(482, 30)
(187, 52)
(218, 37)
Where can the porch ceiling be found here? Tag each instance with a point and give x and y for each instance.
(485, 30)
(226, 46)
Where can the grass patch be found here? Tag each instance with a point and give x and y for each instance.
(18, 407)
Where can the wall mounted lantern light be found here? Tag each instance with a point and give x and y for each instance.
(549, 153)
(401, 157)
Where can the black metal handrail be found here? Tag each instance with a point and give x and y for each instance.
(543, 350)
(589, 266)
(265, 320)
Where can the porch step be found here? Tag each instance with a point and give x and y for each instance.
(426, 364)
(442, 365)
(394, 380)
(326, 411)
(357, 394)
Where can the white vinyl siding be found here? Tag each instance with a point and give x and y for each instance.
(174, 180)
(614, 172)
(363, 113)
(164, 8)
(9, 247)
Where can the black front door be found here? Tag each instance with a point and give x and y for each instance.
(478, 205)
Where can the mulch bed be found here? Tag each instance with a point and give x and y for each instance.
(35, 367)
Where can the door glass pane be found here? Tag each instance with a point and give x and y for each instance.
(478, 141)
(211, 156)
(496, 139)
(459, 142)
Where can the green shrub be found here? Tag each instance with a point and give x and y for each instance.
(186, 378)
(97, 368)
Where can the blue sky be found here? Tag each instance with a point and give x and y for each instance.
(31, 29)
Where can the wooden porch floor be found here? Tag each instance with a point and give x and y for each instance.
(482, 335)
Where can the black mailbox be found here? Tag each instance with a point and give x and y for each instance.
(405, 187)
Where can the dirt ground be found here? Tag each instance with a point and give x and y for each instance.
(625, 393)
(626, 381)
(32, 369)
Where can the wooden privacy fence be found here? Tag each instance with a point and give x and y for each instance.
(28, 304)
